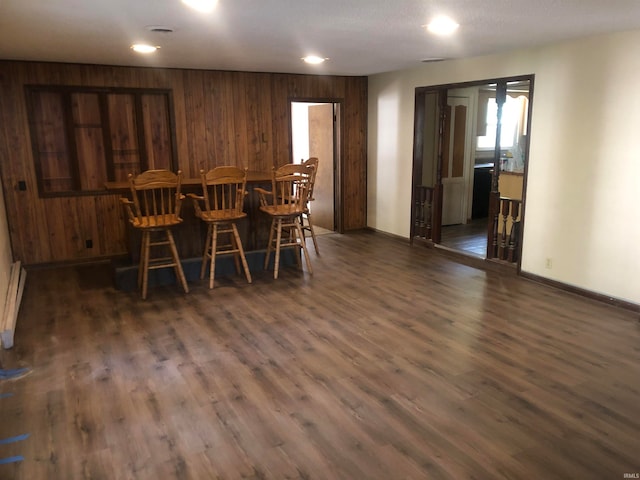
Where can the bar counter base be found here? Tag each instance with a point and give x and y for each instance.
(125, 275)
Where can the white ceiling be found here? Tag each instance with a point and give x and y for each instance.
(360, 37)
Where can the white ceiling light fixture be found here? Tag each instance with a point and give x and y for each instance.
(143, 48)
(314, 59)
(442, 25)
(202, 6)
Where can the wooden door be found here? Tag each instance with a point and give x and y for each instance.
(455, 152)
(321, 146)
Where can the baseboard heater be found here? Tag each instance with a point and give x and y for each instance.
(12, 304)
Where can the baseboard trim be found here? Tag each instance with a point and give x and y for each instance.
(386, 234)
(469, 259)
(634, 307)
(511, 269)
(78, 262)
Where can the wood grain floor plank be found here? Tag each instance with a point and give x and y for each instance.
(390, 362)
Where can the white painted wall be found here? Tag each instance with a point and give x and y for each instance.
(583, 185)
(6, 257)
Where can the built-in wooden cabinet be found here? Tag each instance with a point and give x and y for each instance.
(83, 137)
(50, 143)
(89, 141)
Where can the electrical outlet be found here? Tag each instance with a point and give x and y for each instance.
(88, 243)
(549, 263)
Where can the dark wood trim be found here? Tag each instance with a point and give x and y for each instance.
(339, 152)
(72, 146)
(438, 191)
(475, 83)
(74, 193)
(106, 135)
(501, 98)
(442, 118)
(143, 155)
(175, 161)
(418, 155)
(295, 99)
(436, 216)
(338, 170)
(492, 224)
(55, 64)
(69, 89)
(98, 260)
(634, 307)
(525, 175)
(33, 129)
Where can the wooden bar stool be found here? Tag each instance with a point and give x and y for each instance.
(220, 207)
(306, 214)
(285, 204)
(154, 209)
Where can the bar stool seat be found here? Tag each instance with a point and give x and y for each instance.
(307, 226)
(220, 206)
(154, 210)
(285, 204)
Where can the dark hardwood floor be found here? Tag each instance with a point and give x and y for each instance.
(390, 362)
(470, 238)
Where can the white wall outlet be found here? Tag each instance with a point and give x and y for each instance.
(548, 263)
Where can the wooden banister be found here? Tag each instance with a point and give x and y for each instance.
(503, 234)
(423, 221)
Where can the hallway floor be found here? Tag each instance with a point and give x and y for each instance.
(470, 238)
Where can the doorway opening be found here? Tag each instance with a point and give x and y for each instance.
(315, 132)
(470, 161)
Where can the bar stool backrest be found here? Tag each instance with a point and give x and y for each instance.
(224, 190)
(290, 186)
(156, 198)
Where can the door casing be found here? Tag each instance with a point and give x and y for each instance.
(420, 118)
(335, 162)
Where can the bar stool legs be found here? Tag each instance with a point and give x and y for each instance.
(213, 247)
(149, 263)
(154, 208)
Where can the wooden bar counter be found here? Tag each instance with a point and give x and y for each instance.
(189, 184)
(190, 235)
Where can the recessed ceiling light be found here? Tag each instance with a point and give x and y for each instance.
(442, 26)
(203, 6)
(314, 59)
(143, 48)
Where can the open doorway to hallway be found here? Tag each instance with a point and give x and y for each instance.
(314, 134)
(470, 156)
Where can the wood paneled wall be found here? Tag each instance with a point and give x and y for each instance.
(222, 118)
